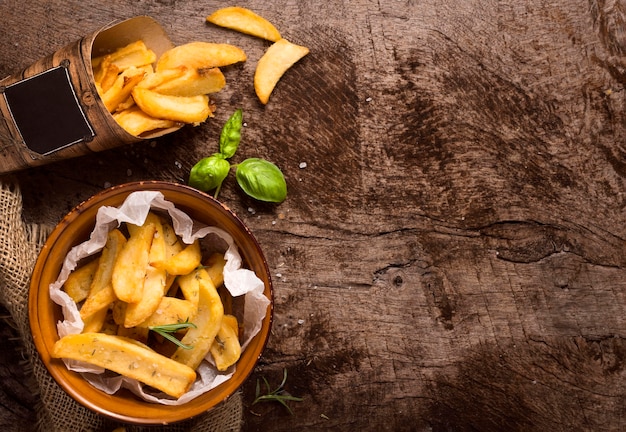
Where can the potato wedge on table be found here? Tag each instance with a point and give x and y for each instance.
(278, 58)
(200, 55)
(245, 21)
(129, 358)
(194, 109)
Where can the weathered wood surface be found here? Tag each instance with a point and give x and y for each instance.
(452, 255)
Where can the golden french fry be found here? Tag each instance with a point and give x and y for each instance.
(122, 88)
(278, 58)
(194, 82)
(215, 268)
(136, 122)
(172, 243)
(208, 322)
(171, 310)
(118, 313)
(134, 54)
(128, 358)
(130, 268)
(184, 261)
(78, 282)
(200, 55)
(244, 21)
(161, 77)
(107, 74)
(95, 322)
(157, 249)
(101, 293)
(189, 285)
(99, 300)
(231, 321)
(226, 348)
(153, 291)
(194, 109)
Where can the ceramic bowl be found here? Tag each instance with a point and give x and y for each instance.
(44, 314)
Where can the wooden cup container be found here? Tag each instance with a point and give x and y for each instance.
(51, 110)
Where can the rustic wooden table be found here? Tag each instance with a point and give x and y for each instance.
(451, 253)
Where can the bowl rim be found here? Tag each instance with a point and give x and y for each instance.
(167, 413)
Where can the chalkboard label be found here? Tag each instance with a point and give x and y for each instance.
(47, 113)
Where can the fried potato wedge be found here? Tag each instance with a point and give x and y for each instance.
(130, 268)
(95, 322)
(189, 285)
(215, 268)
(161, 77)
(134, 54)
(136, 122)
(101, 293)
(184, 261)
(157, 249)
(200, 55)
(129, 358)
(245, 21)
(194, 82)
(194, 109)
(171, 310)
(208, 322)
(153, 291)
(278, 58)
(226, 348)
(122, 88)
(79, 281)
(107, 75)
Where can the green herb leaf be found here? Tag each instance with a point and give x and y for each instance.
(277, 395)
(166, 331)
(262, 180)
(231, 134)
(209, 173)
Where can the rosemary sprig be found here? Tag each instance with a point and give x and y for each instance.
(167, 330)
(276, 395)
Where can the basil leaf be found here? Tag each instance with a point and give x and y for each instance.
(209, 173)
(262, 180)
(231, 134)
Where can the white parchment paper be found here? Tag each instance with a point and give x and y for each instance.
(238, 280)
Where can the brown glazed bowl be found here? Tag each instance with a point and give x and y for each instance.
(44, 314)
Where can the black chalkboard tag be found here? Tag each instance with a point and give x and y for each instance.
(47, 113)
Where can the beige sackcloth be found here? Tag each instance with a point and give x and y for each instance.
(57, 411)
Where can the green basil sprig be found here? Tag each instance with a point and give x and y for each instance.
(261, 180)
(231, 134)
(258, 178)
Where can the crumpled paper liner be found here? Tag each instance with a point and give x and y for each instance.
(238, 280)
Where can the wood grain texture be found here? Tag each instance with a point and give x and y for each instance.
(452, 255)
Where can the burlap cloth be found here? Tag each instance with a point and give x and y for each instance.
(58, 412)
